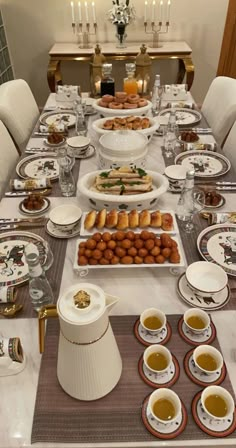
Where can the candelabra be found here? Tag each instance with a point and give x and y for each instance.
(155, 31)
(84, 32)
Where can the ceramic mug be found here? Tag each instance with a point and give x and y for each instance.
(157, 350)
(207, 352)
(152, 313)
(198, 314)
(159, 396)
(217, 392)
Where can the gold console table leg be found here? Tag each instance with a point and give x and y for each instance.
(54, 74)
(186, 66)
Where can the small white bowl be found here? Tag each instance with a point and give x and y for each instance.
(221, 392)
(79, 144)
(106, 112)
(165, 394)
(65, 217)
(208, 349)
(176, 175)
(159, 349)
(201, 314)
(153, 312)
(206, 278)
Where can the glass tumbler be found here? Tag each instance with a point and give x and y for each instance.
(66, 179)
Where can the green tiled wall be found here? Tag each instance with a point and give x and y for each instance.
(6, 72)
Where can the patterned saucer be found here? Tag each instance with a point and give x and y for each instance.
(147, 338)
(160, 430)
(199, 377)
(214, 428)
(53, 231)
(167, 379)
(206, 337)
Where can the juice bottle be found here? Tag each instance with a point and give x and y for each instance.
(130, 83)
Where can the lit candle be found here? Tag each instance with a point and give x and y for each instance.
(145, 11)
(153, 10)
(86, 12)
(160, 10)
(72, 12)
(98, 87)
(79, 11)
(94, 13)
(168, 11)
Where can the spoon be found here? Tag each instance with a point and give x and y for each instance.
(10, 311)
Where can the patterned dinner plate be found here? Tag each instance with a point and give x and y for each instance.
(204, 163)
(217, 244)
(13, 266)
(56, 118)
(38, 167)
(183, 117)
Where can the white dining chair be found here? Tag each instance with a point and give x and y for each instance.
(18, 110)
(219, 107)
(229, 148)
(8, 157)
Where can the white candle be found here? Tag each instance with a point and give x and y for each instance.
(72, 12)
(86, 12)
(98, 87)
(160, 10)
(94, 13)
(145, 11)
(153, 10)
(79, 11)
(168, 11)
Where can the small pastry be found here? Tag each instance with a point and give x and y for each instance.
(90, 220)
(133, 219)
(144, 219)
(112, 219)
(123, 221)
(101, 219)
(167, 222)
(156, 219)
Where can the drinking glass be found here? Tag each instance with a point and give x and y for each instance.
(188, 209)
(66, 162)
(49, 256)
(170, 141)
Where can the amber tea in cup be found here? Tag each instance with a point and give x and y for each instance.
(216, 405)
(157, 361)
(164, 409)
(207, 362)
(153, 320)
(164, 405)
(208, 359)
(157, 358)
(196, 320)
(217, 402)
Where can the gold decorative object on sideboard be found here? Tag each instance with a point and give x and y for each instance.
(179, 50)
(97, 60)
(143, 71)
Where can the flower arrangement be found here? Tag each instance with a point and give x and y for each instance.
(122, 13)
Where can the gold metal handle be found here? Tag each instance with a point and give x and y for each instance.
(44, 313)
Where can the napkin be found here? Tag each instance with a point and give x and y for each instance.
(7, 294)
(57, 127)
(174, 92)
(30, 184)
(11, 348)
(67, 93)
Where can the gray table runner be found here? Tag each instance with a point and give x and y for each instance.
(59, 418)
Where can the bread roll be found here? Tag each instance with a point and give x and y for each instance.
(123, 221)
(156, 219)
(90, 220)
(144, 218)
(167, 221)
(112, 219)
(133, 219)
(101, 219)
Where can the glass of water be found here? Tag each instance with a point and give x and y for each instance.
(170, 141)
(66, 179)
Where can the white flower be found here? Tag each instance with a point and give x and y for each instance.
(121, 13)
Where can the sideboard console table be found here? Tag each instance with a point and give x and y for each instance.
(71, 52)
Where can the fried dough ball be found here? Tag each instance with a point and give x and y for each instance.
(106, 236)
(101, 245)
(82, 245)
(132, 251)
(158, 242)
(126, 244)
(88, 253)
(93, 262)
(143, 252)
(152, 236)
(166, 252)
(127, 259)
(138, 260)
(111, 244)
(81, 251)
(108, 254)
(155, 251)
(97, 236)
(160, 259)
(82, 260)
(103, 261)
(138, 243)
(97, 254)
(174, 244)
(91, 244)
(120, 235)
(120, 252)
(115, 260)
(130, 235)
(144, 235)
(149, 259)
(149, 244)
(175, 257)
(166, 240)
(113, 236)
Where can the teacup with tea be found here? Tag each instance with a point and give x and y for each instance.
(164, 406)
(208, 359)
(157, 358)
(153, 320)
(217, 402)
(196, 320)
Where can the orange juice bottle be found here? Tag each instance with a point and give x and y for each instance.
(130, 83)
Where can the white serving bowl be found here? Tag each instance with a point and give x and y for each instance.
(65, 217)
(122, 148)
(106, 112)
(206, 278)
(97, 125)
(141, 201)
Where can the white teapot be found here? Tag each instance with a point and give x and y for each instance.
(89, 363)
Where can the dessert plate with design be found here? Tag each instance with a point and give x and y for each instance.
(147, 338)
(56, 118)
(166, 379)
(38, 167)
(43, 209)
(204, 163)
(183, 117)
(206, 337)
(200, 378)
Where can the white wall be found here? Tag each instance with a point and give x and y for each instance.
(33, 26)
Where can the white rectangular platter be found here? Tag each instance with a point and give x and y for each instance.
(182, 263)
(85, 232)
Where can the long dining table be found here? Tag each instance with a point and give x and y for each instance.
(137, 289)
